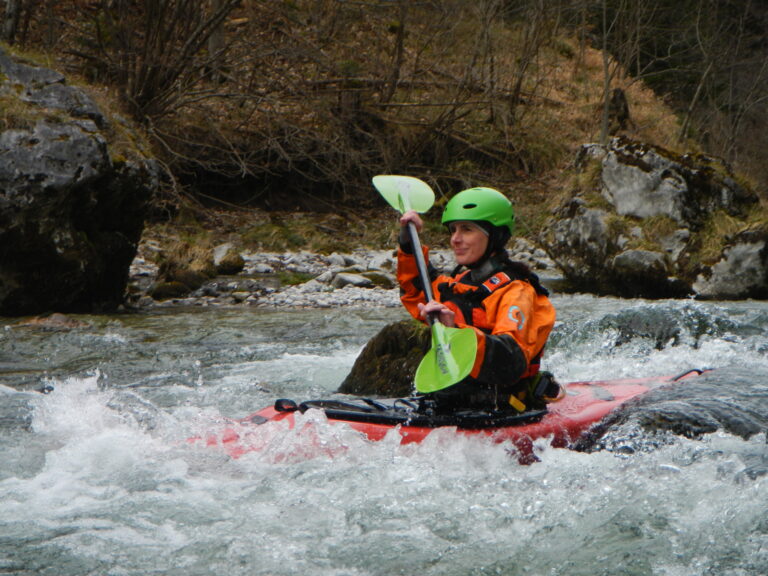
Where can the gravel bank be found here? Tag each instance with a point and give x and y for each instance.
(364, 278)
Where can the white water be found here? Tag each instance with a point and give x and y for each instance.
(97, 478)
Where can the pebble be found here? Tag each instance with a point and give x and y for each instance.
(338, 279)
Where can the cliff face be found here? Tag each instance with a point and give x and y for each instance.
(71, 216)
(656, 225)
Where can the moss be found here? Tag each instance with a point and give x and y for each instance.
(187, 261)
(708, 244)
(717, 230)
(166, 290)
(619, 225)
(595, 199)
(275, 236)
(757, 215)
(15, 114)
(232, 263)
(655, 228)
(589, 178)
(126, 142)
(288, 278)
(381, 280)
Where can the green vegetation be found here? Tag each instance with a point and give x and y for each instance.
(293, 278)
(16, 114)
(718, 228)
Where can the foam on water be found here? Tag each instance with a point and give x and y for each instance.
(98, 476)
(115, 498)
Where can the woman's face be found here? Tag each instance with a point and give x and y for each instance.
(468, 242)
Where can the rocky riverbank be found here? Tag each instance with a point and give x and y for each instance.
(363, 278)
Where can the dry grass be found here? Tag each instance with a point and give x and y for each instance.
(536, 143)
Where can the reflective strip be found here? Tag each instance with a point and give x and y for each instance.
(496, 281)
(516, 403)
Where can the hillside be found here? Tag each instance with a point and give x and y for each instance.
(270, 118)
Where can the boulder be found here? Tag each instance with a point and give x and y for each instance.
(741, 271)
(652, 225)
(71, 216)
(644, 273)
(227, 260)
(388, 363)
(350, 279)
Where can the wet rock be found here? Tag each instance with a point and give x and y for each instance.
(345, 278)
(644, 273)
(387, 364)
(55, 321)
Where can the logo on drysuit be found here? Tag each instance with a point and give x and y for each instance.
(516, 315)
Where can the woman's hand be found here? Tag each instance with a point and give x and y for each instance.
(412, 216)
(444, 314)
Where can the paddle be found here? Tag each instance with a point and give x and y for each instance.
(452, 355)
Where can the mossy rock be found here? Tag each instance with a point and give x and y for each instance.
(167, 290)
(232, 263)
(192, 279)
(182, 257)
(381, 280)
(387, 364)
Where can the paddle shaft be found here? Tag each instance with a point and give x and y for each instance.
(421, 264)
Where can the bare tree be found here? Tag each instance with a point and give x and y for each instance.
(216, 46)
(398, 53)
(534, 36)
(155, 51)
(608, 71)
(11, 20)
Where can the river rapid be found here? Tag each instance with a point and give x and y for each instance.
(97, 476)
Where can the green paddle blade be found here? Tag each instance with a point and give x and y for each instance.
(450, 359)
(452, 355)
(405, 193)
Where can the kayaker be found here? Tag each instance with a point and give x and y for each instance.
(502, 300)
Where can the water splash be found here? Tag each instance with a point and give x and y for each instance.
(101, 481)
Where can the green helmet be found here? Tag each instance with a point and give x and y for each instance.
(481, 204)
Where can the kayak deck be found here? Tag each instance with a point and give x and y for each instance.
(563, 422)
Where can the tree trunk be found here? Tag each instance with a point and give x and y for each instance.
(216, 47)
(397, 56)
(11, 23)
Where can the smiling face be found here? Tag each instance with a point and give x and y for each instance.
(468, 241)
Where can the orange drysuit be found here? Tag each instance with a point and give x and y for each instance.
(505, 305)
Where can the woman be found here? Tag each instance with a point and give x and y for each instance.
(503, 301)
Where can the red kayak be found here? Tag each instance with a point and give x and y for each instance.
(563, 422)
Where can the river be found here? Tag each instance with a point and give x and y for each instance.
(96, 475)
